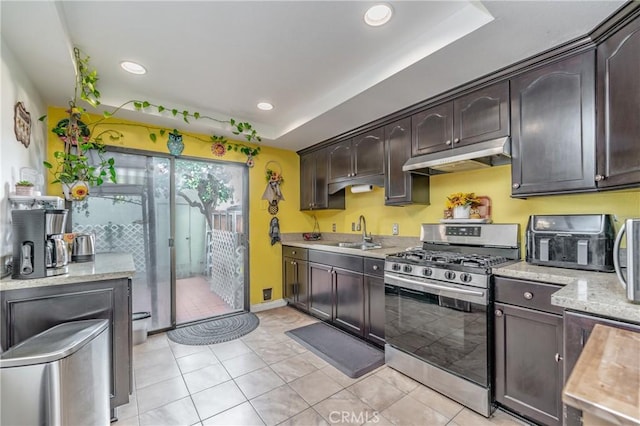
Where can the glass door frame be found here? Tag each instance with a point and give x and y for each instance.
(172, 224)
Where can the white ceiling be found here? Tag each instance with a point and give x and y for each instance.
(325, 71)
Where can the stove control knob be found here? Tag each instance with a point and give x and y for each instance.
(407, 268)
(395, 267)
(427, 272)
(450, 275)
(465, 277)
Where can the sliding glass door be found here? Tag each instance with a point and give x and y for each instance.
(184, 222)
(210, 239)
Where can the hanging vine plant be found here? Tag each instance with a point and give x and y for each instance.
(83, 157)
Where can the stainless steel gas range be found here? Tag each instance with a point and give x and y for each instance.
(438, 300)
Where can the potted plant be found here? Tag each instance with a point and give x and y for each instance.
(24, 187)
(461, 203)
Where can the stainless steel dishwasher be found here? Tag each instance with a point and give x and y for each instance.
(58, 377)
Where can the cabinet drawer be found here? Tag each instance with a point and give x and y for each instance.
(295, 252)
(528, 294)
(344, 261)
(374, 267)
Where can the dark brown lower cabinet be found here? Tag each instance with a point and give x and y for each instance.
(348, 292)
(321, 291)
(27, 312)
(349, 301)
(577, 329)
(374, 301)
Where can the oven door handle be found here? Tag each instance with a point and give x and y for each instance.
(437, 286)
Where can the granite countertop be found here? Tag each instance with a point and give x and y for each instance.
(593, 292)
(605, 382)
(329, 245)
(106, 266)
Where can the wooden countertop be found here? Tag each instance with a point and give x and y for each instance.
(605, 382)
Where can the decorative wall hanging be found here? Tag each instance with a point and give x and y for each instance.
(272, 193)
(175, 144)
(22, 124)
(274, 230)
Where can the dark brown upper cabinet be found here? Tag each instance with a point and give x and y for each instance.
(400, 187)
(314, 189)
(357, 157)
(618, 140)
(553, 128)
(481, 115)
(478, 116)
(432, 129)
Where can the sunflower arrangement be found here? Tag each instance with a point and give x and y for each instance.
(462, 199)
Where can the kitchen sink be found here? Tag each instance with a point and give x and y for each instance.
(360, 245)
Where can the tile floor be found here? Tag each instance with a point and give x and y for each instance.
(265, 378)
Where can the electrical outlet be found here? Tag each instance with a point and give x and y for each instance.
(333, 227)
(358, 227)
(394, 229)
(353, 226)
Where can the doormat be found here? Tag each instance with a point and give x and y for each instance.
(215, 331)
(348, 354)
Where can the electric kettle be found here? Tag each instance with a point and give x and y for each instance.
(83, 249)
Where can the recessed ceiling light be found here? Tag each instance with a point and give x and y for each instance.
(132, 67)
(378, 15)
(265, 106)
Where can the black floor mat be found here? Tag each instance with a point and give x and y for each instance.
(348, 354)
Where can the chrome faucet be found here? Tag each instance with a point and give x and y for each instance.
(362, 223)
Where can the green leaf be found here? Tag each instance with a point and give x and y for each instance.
(146, 104)
(106, 114)
(152, 136)
(44, 117)
(196, 115)
(137, 105)
(47, 164)
(174, 112)
(161, 108)
(162, 132)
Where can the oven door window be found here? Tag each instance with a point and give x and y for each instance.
(448, 333)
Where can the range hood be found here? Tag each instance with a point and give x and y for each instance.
(475, 156)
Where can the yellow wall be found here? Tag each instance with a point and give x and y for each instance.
(494, 182)
(265, 259)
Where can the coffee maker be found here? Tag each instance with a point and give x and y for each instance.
(39, 249)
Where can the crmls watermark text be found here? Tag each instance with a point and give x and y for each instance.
(354, 417)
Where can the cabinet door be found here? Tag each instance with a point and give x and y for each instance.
(321, 291)
(482, 115)
(349, 298)
(432, 129)
(302, 287)
(289, 279)
(553, 128)
(374, 309)
(528, 369)
(619, 108)
(400, 187)
(307, 181)
(368, 153)
(340, 161)
(320, 181)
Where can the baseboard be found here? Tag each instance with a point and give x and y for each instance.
(268, 305)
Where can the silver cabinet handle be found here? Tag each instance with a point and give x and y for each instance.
(599, 178)
(558, 357)
(499, 312)
(516, 185)
(448, 142)
(376, 267)
(293, 252)
(456, 140)
(528, 295)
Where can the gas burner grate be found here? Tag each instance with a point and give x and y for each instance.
(445, 257)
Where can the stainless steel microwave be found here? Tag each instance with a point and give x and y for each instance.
(630, 279)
